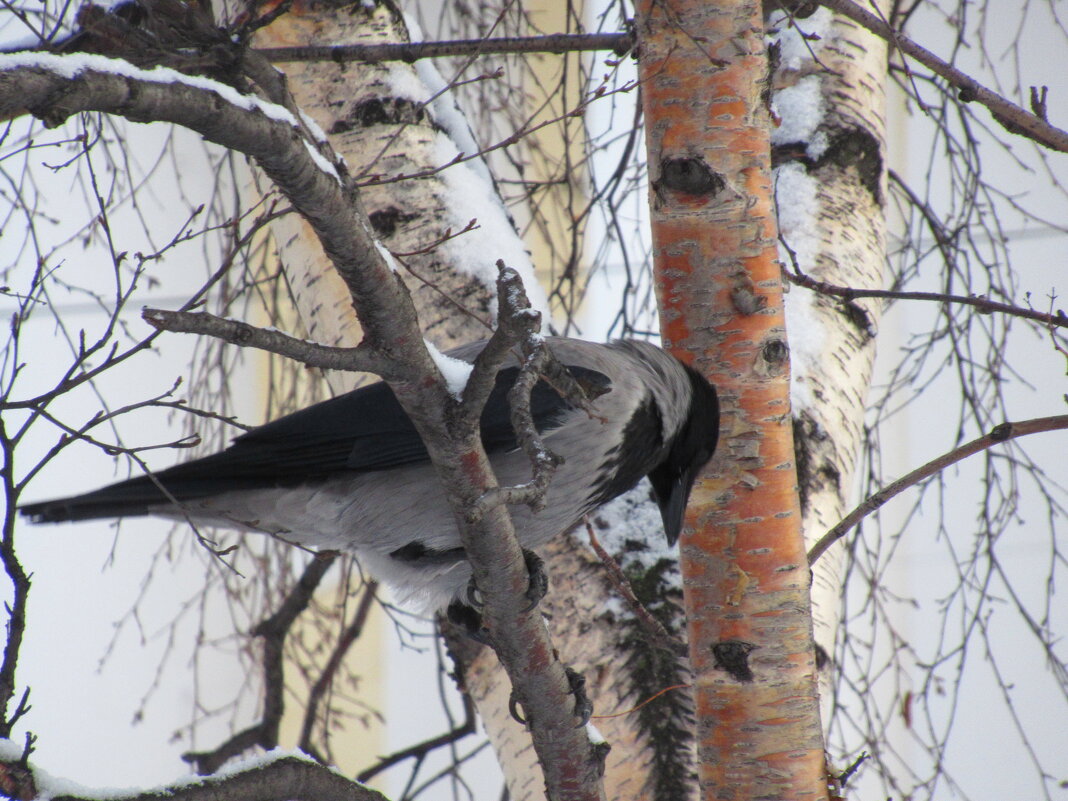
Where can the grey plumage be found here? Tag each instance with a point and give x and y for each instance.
(351, 473)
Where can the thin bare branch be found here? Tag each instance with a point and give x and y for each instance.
(1054, 320)
(20, 589)
(362, 358)
(653, 627)
(618, 43)
(326, 677)
(420, 750)
(274, 631)
(1014, 118)
(529, 127)
(1001, 433)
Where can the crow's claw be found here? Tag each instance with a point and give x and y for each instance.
(583, 705)
(538, 584)
(472, 595)
(513, 709)
(467, 613)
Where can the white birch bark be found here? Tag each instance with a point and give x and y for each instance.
(831, 186)
(379, 118)
(370, 114)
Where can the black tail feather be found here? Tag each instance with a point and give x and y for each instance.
(131, 498)
(145, 495)
(82, 507)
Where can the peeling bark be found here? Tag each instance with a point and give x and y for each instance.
(703, 70)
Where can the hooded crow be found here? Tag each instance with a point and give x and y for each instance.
(352, 474)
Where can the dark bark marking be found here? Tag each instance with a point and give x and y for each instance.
(690, 175)
(733, 657)
(847, 147)
(775, 352)
(813, 470)
(380, 111)
(386, 221)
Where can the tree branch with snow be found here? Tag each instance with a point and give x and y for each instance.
(53, 88)
(277, 776)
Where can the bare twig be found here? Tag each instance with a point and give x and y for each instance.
(326, 677)
(525, 130)
(362, 358)
(1058, 320)
(619, 43)
(999, 434)
(472, 225)
(653, 627)
(543, 461)
(77, 374)
(248, 126)
(273, 630)
(520, 324)
(510, 298)
(184, 442)
(20, 588)
(420, 750)
(854, 767)
(253, 24)
(182, 406)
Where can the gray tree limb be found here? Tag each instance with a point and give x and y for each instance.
(53, 88)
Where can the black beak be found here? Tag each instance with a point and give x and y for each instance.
(690, 451)
(672, 491)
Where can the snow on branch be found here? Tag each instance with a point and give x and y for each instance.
(278, 776)
(53, 88)
(78, 64)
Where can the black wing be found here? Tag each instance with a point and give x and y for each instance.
(363, 430)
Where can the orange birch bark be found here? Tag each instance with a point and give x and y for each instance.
(703, 72)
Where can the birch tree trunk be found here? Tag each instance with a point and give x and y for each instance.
(379, 117)
(703, 69)
(831, 187)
